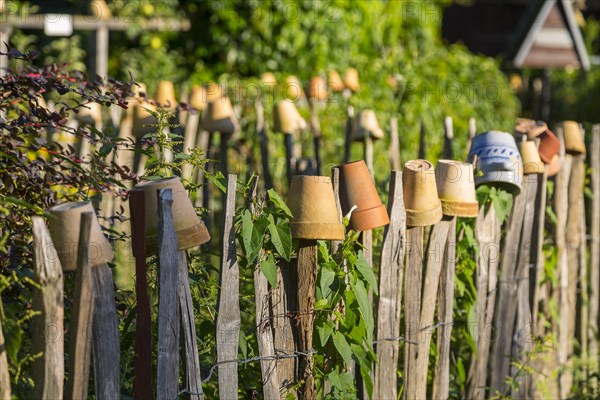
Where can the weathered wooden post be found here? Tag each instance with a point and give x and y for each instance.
(311, 201)
(228, 317)
(422, 141)
(261, 129)
(167, 369)
(391, 273)
(448, 137)
(287, 120)
(4, 376)
(472, 131)
(348, 134)
(366, 129)
(594, 319)
(315, 127)
(394, 145)
(48, 327)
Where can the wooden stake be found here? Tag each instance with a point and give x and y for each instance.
(537, 242)
(105, 346)
(448, 137)
(264, 145)
(80, 341)
(189, 141)
(167, 369)
(307, 276)
(290, 162)
(391, 274)
(472, 131)
(228, 317)
(224, 154)
(441, 380)
(4, 376)
(435, 260)
(394, 145)
(594, 319)
(412, 310)
(348, 141)
(315, 127)
(487, 233)
(48, 327)
(422, 144)
(142, 384)
(504, 318)
(368, 152)
(193, 376)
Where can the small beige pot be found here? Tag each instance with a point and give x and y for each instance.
(532, 163)
(366, 124)
(423, 206)
(455, 183)
(214, 92)
(143, 120)
(90, 114)
(351, 79)
(65, 225)
(317, 89)
(268, 79)
(165, 95)
(219, 117)
(335, 82)
(198, 98)
(573, 134)
(286, 117)
(191, 231)
(530, 127)
(312, 203)
(293, 89)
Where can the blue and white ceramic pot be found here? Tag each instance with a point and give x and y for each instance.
(497, 161)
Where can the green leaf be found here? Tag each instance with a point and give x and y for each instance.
(274, 197)
(269, 269)
(218, 180)
(281, 237)
(366, 271)
(342, 346)
(326, 280)
(322, 304)
(252, 237)
(365, 366)
(364, 306)
(324, 331)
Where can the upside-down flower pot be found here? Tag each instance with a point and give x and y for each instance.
(335, 82)
(268, 79)
(455, 183)
(214, 92)
(198, 98)
(317, 88)
(312, 203)
(190, 229)
(165, 95)
(573, 137)
(423, 206)
(219, 117)
(357, 189)
(293, 88)
(530, 127)
(286, 117)
(549, 146)
(366, 124)
(141, 118)
(497, 161)
(90, 114)
(554, 166)
(64, 225)
(532, 163)
(351, 79)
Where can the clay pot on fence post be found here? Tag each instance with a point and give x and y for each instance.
(351, 79)
(64, 225)
(317, 89)
(549, 146)
(573, 134)
(423, 206)
(190, 229)
(366, 129)
(554, 166)
(530, 127)
(497, 161)
(532, 163)
(220, 117)
(455, 183)
(165, 95)
(287, 120)
(357, 189)
(198, 98)
(335, 82)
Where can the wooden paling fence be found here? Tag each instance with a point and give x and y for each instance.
(414, 305)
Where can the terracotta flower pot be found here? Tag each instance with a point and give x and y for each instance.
(530, 127)
(219, 117)
(190, 229)
(317, 88)
(198, 98)
(64, 225)
(214, 92)
(497, 160)
(90, 114)
(532, 163)
(293, 88)
(357, 189)
(335, 82)
(286, 117)
(165, 95)
(365, 123)
(351, 79)
(554, 166)
(549, 146)
(312, 203)
(268, 79)
(423, 206)
(455, 183)
(573, 137)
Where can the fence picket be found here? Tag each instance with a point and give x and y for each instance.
(594, 314)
